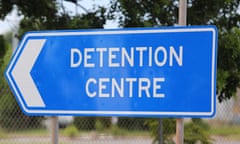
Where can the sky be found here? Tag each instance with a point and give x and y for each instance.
(11, 21)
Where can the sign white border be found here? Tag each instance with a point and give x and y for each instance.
(118, 32)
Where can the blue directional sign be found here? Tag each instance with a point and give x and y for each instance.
(154, 72)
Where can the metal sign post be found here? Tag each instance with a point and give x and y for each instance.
(54, 123)
(160, 122)
(182, 17)
(182, 21)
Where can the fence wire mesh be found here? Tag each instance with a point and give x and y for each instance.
(17, 128)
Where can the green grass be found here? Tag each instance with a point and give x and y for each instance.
(2, 134)
(115, 131)
(223, 130)
(29, 132)
(227, 131)
(15, 142)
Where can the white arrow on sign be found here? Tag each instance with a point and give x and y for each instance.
(21, 73)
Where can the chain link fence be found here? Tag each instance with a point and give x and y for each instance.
(17, 128)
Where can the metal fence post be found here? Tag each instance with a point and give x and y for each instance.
(160, 131)
(182, 17)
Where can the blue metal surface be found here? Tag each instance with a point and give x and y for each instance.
(150, 72)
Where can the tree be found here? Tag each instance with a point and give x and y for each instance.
(169, 127)
(2, 49)
(54, 20)
(228, 63)
(222, 13)
(40, 15)
(142, 13)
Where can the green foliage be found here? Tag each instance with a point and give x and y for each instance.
(64, 21)
(84, 123)
(3, 48)
(103, 123)
(228, 131)
(222, 13)
(4, 57)
(40, 15)
(71, 131)
(116, 131)
(29, 8)
(203, 11)
(132, 123)
(228, 63)
(141, 13)
(46, 15)
(57, 20)
(2, 133)
(169, 128)
(92, 123)
(11, 117)
(99, 125)
(197, 131)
